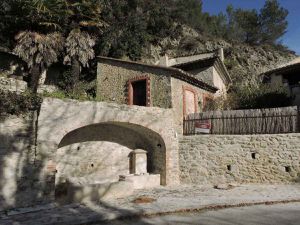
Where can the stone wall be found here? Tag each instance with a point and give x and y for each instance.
(219, 83)
(99, 153)
(66, 122)
(11, 84)
(205, 74)
(215, 159)
(85, 142)
(92, 162)
(19, 86)
(19, 173)
(211, 76)
(113, 76)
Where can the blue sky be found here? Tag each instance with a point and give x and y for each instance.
(290, 39)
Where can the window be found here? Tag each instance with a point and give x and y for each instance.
(139, 91)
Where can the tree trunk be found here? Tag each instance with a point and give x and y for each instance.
(75, 71)
(34, 80)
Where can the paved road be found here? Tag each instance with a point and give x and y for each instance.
(283, 214)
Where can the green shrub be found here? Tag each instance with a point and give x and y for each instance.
(258, 95)
(66, 81)
(83, 90)
(15, 104)
(253, 95)
(230, 63)
(189, 44)
(56, 94)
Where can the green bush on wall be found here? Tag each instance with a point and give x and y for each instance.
(15, 104)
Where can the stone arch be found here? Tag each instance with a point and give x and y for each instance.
(124, 134)
(60, 118)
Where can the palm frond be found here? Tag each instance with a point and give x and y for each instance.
(79, 46)
(39, 49)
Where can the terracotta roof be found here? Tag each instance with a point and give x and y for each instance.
(174, 72)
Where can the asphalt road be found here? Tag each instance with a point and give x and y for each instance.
(283, 214)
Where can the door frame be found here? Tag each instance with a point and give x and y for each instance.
(130, 89)
(190, 89)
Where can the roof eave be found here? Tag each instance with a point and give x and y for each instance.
(223, 71)
(280, 70)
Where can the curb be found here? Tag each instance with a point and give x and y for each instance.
(200, 209)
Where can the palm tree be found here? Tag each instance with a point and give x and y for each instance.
(39, 51)
(79, 50)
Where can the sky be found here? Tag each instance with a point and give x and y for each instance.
(290, 39)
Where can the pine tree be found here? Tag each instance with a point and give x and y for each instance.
(248, 21)
(273, 21)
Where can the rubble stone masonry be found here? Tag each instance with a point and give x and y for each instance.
(215, 159)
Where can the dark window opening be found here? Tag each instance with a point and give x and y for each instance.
(253, 155)
(292, 79)
(229, 167)
(287, 169)
(139, 93)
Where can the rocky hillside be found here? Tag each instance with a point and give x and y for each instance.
(243, 61)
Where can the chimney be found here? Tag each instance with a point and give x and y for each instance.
(164, 60)
(221, 54)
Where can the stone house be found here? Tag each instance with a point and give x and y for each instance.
(186, 84)
(288, 76)
(208, 67)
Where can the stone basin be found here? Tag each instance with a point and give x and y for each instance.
(77, 192)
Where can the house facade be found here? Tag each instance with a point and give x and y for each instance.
(186, 86)
(208, 67)
(288, 76)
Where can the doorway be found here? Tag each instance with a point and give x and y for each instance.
(139, 93)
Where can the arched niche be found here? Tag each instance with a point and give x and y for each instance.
(106, 146)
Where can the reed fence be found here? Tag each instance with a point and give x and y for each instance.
(253, 121)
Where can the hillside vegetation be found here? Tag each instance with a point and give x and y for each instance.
(43, 32)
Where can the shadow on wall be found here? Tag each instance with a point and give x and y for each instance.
(20, 169)
(20, 172)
